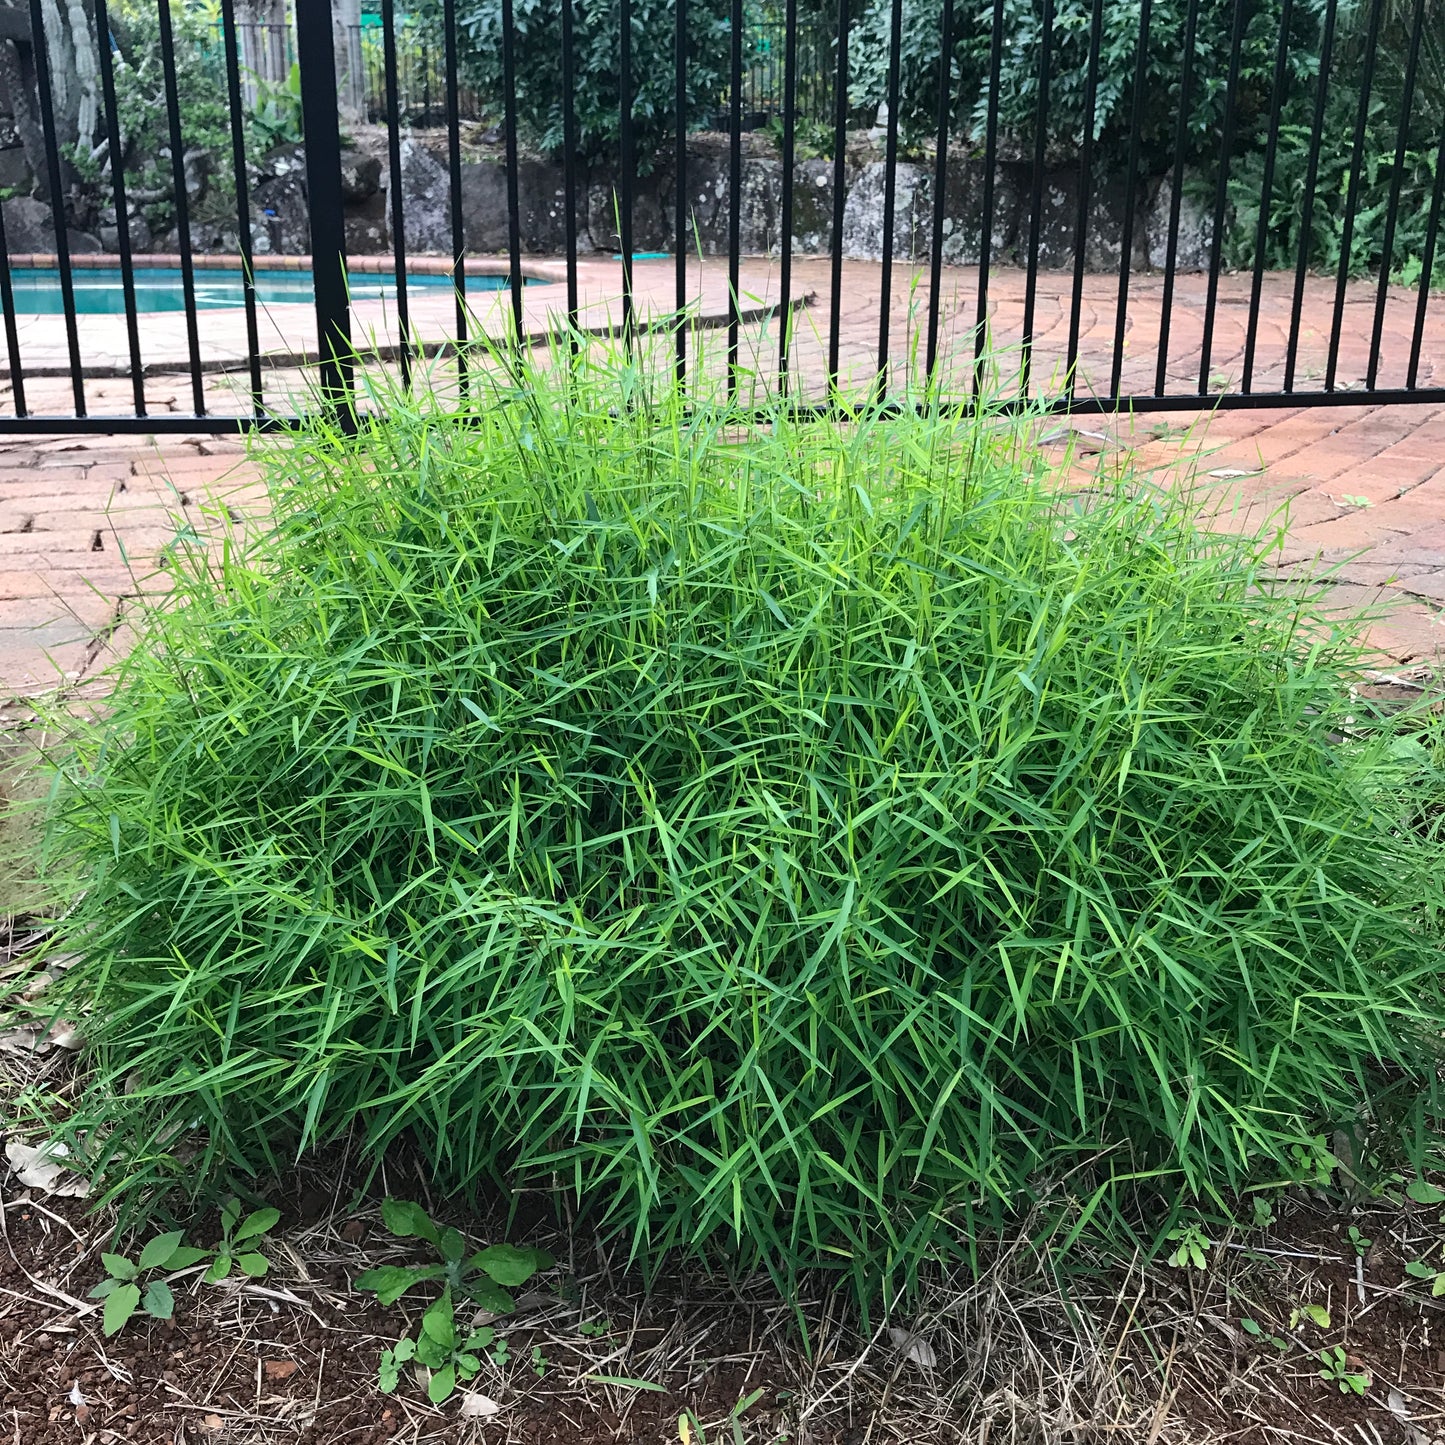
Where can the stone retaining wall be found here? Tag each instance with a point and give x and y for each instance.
(279, 215)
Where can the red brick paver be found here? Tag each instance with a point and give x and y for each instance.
(82, 525)
(82, 520)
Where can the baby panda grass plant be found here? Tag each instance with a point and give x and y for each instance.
(801, 841)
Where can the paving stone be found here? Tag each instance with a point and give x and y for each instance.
(56, 492)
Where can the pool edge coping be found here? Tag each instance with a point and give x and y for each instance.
(360, 265)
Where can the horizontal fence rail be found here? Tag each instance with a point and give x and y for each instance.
(1084, 205)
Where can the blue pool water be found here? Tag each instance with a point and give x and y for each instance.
(98, 290)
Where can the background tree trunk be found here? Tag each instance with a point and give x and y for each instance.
(74, 64)
(350, 75)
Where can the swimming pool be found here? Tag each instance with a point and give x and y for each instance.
(98, 290)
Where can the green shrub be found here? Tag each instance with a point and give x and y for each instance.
(798, 841)
(596, 97)
(141, 106)
(1069, 55)
(1285, 232)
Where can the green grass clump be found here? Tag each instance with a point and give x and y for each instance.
(796, 840)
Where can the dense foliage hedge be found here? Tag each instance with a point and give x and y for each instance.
(1069, 54)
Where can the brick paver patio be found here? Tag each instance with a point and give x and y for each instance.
(83, 519)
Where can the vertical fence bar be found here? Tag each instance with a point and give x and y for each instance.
(1402, 142)
(1131, 183)
(1086, 179)
(735, 187)
(940, 182)
(1307, 204)
(1036, 198)
(890, 196)
(122, 210)
(1352, 193)
(12, 336)
(243, 201)
(514, 206)
(627, 165)
(40, 49)
(679, 220)
(320, 122)
(1176, 195)
(790, 121)
(398, 219)
(454, 189)
(1221, 192)
(569, 168)
(182, 203)
(990, 163)
(840, 177)
(1266, 194)
(1432, 238)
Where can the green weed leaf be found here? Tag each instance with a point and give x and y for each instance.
(390, 1281)
(491, 1297)
(258, 1223)
(388, 1373)
(441, 1385)
(183, 1256)
(438, 1324)
(253, 1264)
(159, 1250)
(120, 1305)
(159, 1302)
(1423, 1192)
(507, 1265)
(407, 1220)
(118, 1266)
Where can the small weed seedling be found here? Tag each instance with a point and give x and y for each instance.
(592, 1328)
(1419, 1269)
(1334, 1366)
(237, 1231)
(450, 1359)
(690, 1432)
(483, 1277)
(1259, 1332)
(121, 1288)
(1358, 1242)
(1317, 1315)
(122, 1291)
(1263, 1212)
(1314, 1164)
(1191, 1247)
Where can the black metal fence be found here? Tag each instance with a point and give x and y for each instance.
(1072, 320)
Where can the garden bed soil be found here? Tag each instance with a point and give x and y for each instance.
(294, 1357)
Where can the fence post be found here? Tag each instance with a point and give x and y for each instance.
(321, 125)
